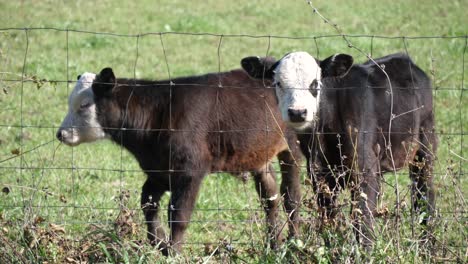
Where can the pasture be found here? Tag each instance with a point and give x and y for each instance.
(75, 205)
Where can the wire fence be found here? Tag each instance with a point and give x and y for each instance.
(50, 190)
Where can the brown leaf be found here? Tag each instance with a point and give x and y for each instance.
(70, 260)
(15, 151)
(209, 248)
(57, 228)
(38, 220)
(63, 199)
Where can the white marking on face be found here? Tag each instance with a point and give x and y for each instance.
(80, 125)
(293, 77)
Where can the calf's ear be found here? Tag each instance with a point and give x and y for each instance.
(337, 65)
(104, 82)
(259, 68)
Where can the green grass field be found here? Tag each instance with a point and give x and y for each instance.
(60, 204)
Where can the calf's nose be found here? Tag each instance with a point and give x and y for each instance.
(60, 134)
(297, 115)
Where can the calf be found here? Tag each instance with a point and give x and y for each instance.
(356, 122)
(182, 129)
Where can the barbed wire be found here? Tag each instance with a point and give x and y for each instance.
(227, 35)
(233, 86)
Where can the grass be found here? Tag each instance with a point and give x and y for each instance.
(50, 212)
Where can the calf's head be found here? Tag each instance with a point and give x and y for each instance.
(298, 80)
(81, 125)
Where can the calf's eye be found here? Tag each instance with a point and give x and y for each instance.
(314, 88)
(85, 105)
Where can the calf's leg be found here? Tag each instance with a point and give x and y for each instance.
(181, 204)
(421, 173)
(422, 191)
(367, 176)
(150, 197)
(265, 184)
(291, 189)
(367, 201)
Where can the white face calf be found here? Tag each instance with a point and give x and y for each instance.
(80, 124)
(297, 80)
